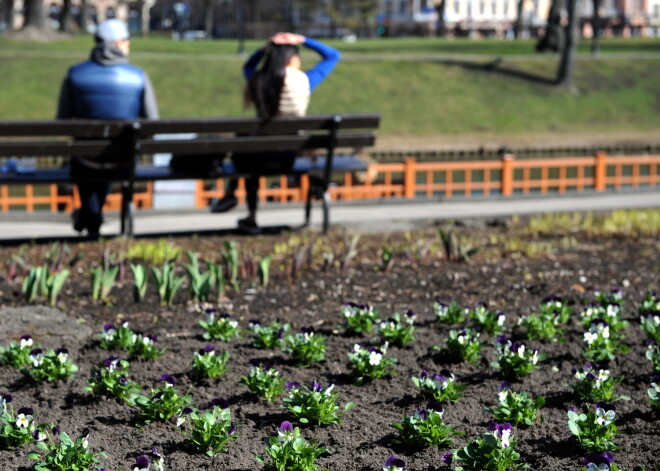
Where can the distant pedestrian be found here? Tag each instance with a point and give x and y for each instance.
(276, 86)
(104, 87)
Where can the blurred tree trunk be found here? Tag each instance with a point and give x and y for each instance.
(596, 27)
(209, 6)
(517, 27)
(10, 14)
(84, 16)
(65, 17)
(35, 14)
(565, 71)
(440, 7)
(553, 39)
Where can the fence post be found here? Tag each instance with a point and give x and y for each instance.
(409, 177)
(600, 171)
(507, 174)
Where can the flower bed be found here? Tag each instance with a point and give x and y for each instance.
(309, 294)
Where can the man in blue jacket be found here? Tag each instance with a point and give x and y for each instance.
(104, 87)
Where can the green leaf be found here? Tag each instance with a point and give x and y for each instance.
(349, 405)
(574, 427)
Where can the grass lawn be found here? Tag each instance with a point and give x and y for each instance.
(422, 87)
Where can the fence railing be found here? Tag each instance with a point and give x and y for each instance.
(408, 179)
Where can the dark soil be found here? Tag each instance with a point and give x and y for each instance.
(313, 296)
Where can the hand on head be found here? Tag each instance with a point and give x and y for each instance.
(288, 38)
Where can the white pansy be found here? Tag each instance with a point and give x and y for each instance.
(603, 417)
(590, 337)
(62, 357)
(23, 421)
(535, 357)
(375, 358)
(505, 438)
(502, 395)
(600, 467)
(26, 342)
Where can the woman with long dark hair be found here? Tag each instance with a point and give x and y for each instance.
(276, 86)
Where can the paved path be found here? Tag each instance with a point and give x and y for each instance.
(364, 216)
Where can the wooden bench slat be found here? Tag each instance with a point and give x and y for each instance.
(101, 148)
(284, 125)
(79, 128)
(254, 143)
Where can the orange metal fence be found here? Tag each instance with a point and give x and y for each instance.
(407, 179)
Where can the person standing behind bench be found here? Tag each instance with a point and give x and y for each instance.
(275, 87)
(104, 87)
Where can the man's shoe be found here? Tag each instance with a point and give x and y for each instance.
(248, 226)
(224, 204)
(78, 224)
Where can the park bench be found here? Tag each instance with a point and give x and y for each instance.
(128, 141)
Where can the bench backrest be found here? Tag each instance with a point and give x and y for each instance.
(123, 139)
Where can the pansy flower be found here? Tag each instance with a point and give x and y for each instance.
(435, 406)
(285, 432)
(208, 350)
(36, 357)
(168, 379)
(111, 362)
(503, 391)
(4, 400)
(605, 413)
(156, 460)
(447, 458)
(220, 402)
(599, 461)
(26, 341)
(394, 464)
(182, 415)
(375, 356)
(24, 417)
(501, 431)
(141, 464)
(23, 420)
(292, 385)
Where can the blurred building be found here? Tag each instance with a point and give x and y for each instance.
(195, 19)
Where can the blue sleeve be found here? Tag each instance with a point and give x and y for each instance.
(330, 57)
(250, 66)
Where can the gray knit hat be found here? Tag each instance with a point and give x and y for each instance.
(112, 30)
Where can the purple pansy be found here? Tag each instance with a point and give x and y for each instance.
(25, 411)
(220, 402)
(447, 458)
(394, 463)
(604, 457)
(292, 385)
(168, 378)
(142, 462)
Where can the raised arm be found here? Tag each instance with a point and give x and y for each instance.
(329, 59)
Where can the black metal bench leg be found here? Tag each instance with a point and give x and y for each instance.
(127, 209)
(308, 205)
(326, 211)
